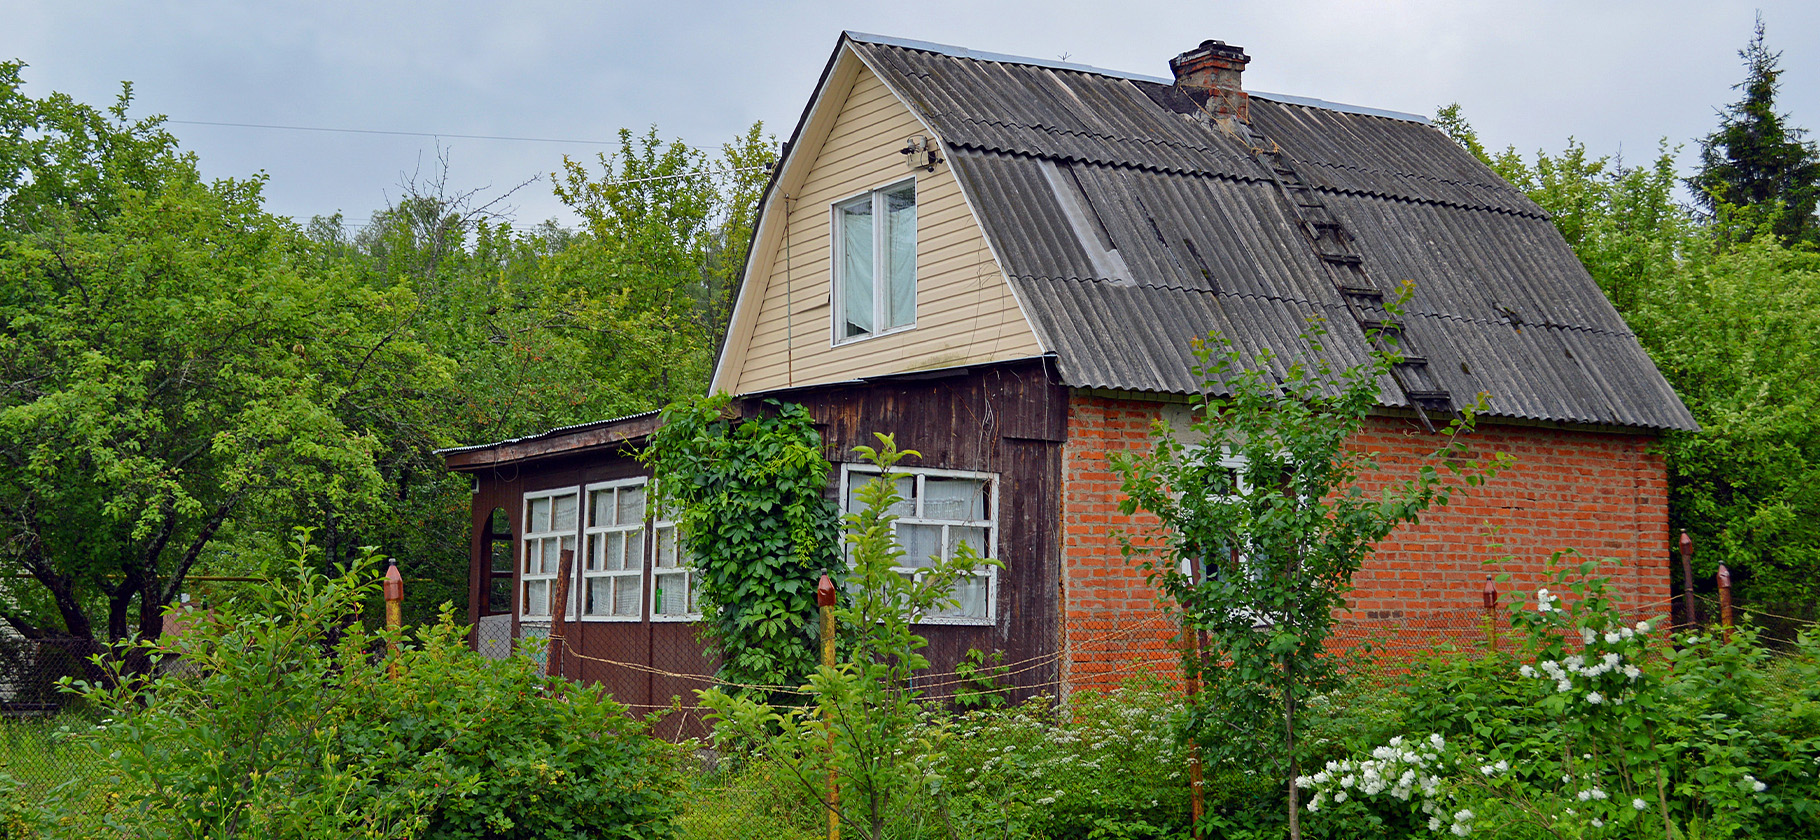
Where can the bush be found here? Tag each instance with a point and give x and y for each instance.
(286, 723)
(1594, 727)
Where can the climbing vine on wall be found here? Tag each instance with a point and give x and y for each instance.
(749, 496)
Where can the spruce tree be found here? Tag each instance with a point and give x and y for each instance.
(1755, 162)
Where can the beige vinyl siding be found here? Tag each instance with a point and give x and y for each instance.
(965, 311)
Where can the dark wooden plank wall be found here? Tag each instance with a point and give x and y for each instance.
(1006, 419)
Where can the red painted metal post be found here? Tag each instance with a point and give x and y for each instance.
(1725, 601)
(394, 610)
(824, 600)
(1687, 579)
(1490, 597)
(552, 665)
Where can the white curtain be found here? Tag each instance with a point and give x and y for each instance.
(900, 209)
(856, 267)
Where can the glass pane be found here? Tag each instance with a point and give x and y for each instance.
(672, 593)
(537, 597)
(954, 499)
(550, 556)
(632, 505)
(600, 591)
(540, 515)
(597, 553)
(666, 548)
(972, 593)
(616, 552)
(499, 524)
(906, 490)
(564, 516)
(568, 543)
(920, 543)
(625, 601)
(975, 537)
(600, 508)
(635, 549)
(900, 263)
(856, 268)
(690, 602)
(499, 595)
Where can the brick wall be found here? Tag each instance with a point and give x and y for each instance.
(1602, 494)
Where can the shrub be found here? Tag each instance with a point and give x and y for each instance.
(286, 723)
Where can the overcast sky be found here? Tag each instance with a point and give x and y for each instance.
(1616, 75)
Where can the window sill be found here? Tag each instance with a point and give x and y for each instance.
(843, 342)
(675, 619)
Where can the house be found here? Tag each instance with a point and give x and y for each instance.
(1004, 262)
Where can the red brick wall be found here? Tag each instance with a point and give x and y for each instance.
(1603, 494)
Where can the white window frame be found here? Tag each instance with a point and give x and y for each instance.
(881, 259)
(592, 531)
(852, 473)
(521, 594)
(684, 569)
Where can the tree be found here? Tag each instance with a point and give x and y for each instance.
(1755, 162)
(167, 371)
(1262, 524)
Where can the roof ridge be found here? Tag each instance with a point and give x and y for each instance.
(954, 51)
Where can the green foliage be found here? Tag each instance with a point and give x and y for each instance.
(1758, 165)
(169, 368)
(281, 720)
(865, 712)
(747, 494)
(1593, 727)
(1262, 525)
(979, 680)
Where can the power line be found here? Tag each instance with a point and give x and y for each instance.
(395, 133)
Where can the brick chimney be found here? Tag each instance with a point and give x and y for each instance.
(1211, 72)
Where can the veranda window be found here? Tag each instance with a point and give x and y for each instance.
(550, 523)
(940, 511)
(613, 576)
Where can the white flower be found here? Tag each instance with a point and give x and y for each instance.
(1598, 794)
(1439, 742)
(1563, 687)
(1612, 638)
(1624, 633)
(1598, 823)
(1758, 786)
(1314, 805)
(1434, 823)
(1632, 671)
(1486, 769)
(1462, 815)
(1502, 765)
(1461, 829)
(1642, 627)
(1638, 804)
(1595, 698)
(1587, 635)
(1339, 797)
(1527, 671)
(1583, 795)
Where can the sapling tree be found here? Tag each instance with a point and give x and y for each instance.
(862, 710)
(1262, 522)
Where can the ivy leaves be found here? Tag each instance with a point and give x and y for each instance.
(749, 496)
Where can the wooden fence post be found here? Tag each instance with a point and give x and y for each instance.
(1687, 579)
(394, 611)
(1490, 597)
(553, 659)
(824, 600)
(1725, 601)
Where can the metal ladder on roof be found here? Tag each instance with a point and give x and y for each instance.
(1345, 268)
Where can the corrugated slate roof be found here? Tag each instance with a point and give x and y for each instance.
(1128, 229)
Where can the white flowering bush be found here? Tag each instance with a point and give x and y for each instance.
(1595, 726)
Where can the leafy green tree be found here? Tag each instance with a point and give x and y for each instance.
(1758, 163)
(1262, 524)
(168, 369)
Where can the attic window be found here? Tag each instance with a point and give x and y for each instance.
(875, 262)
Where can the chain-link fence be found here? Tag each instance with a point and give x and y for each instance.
(34, 712)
